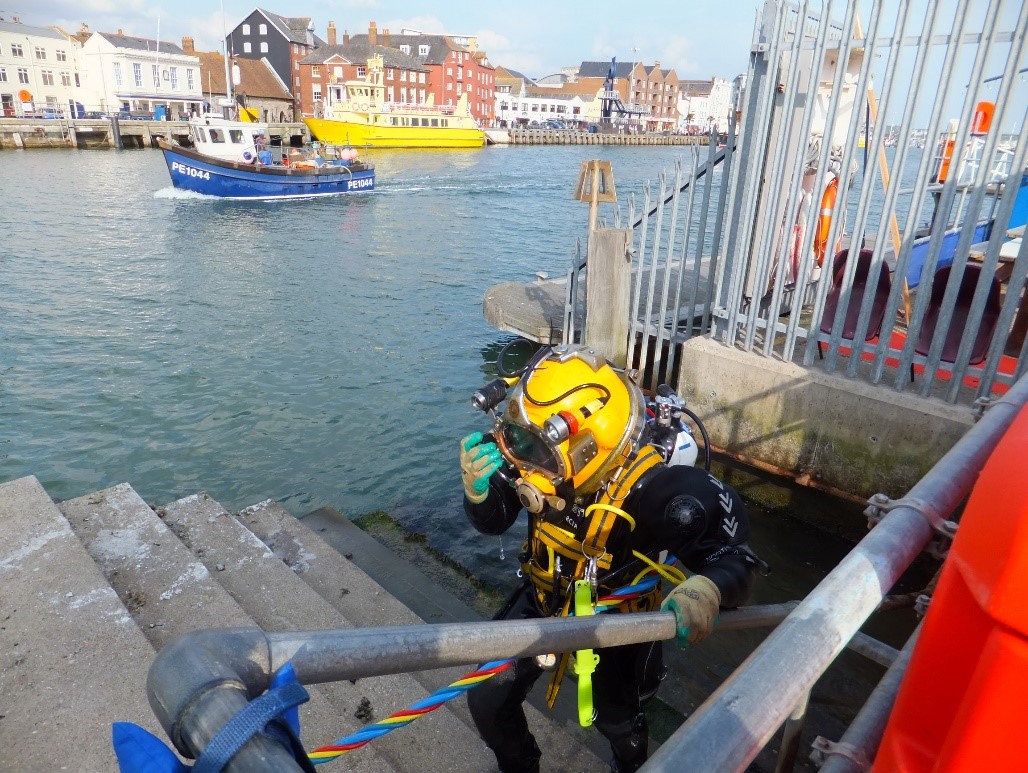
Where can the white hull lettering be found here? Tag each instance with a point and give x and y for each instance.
(188, 171)
(365, 182)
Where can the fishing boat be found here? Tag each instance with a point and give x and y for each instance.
(231, 159)
(364, 118)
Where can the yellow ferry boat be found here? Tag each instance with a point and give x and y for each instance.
(365, 118)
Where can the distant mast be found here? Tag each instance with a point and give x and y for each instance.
(227, 105)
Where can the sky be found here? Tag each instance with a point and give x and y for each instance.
(534, 37)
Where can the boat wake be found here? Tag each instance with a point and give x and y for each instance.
(177, 193)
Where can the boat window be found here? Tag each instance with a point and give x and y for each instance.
(435, 121)
(424, 122)
(392, 120)
(236, 136)
(217, 136)
(446, 122)
(198, 136)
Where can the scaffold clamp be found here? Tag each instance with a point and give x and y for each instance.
(880, 505)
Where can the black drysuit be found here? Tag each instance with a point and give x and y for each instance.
(683, 510)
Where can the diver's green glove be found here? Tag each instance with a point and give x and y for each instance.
(695, 603)
(478, 461)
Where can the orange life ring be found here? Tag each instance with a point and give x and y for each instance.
(824, 219)
(25, 95)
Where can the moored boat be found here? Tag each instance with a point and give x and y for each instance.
(365, 118)
(230, 159)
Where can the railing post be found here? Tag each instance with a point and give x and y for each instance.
(608, 282)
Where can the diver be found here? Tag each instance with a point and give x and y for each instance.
(574, 434)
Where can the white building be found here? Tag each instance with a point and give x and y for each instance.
(139, 75)
(37, 71)
(704, 105)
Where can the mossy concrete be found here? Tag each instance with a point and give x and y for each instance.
(832, 431)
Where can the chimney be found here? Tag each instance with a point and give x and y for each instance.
(84, 30)
(346, 37)
(331, 33)
(373, 34)
(385, 38)
(187, 46)
(121, 32)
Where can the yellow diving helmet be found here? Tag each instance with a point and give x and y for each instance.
(572, 418)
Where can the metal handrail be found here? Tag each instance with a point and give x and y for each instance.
(728, 731)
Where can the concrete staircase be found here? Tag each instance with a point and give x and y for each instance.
(91, 588)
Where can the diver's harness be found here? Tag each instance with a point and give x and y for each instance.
(561, 563)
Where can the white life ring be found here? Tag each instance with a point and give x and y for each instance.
(247, 155)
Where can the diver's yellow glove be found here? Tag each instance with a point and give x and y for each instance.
(695, 603)
(478, 461)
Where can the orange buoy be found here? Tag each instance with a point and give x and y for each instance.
(982, 119)
(824, 219)
(961, 704)
(25, 95)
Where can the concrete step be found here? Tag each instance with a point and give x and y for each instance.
(169, 592)
(69, 649)
(325, 545)
(278, 599)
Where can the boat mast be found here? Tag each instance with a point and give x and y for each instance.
(228, 78)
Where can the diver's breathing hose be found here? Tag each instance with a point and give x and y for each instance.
(703, 432)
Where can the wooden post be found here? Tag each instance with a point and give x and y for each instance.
(608, 293)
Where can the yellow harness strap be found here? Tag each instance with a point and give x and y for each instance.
(601, 519)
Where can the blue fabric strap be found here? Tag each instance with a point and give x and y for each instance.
(246, 724)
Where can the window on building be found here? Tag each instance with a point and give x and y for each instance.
(390, 94)
(390, 73)
(315, 71)
(117, 73)
(65, 78)
(17, 51)
(62, 56)
(297, 81)
(264, 46)
(403, 76)
(503, 106)
(247, 47)
(189, 79)
(1, 50)
(449, 85)
(77, 84)
(137, 74)
(246, 29)
(459, 89)
(362, 70)
(316, 92)
(405, 48)
(449, 71)
(173, 71)
(460, 73)
(422, 50)
(263, 29)
(421, 77)
(338, 72)
(156, 76)
(3, 75)
(23, 75)
(296, 66)
(40, 52)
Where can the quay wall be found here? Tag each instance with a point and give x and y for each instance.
(831, 432)
(573, 137)
(105, 133)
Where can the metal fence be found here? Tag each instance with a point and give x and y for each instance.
(865, 141)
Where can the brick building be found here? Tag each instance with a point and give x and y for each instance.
(324, 71)
(454, 66)
(648, 91)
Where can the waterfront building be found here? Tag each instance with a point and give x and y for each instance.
(255, 84)
(38, 74)
(144, 76)
(325, 70)
(647, 91)
(283, 40)
(454, 65)
(703, 105)
(522, 102)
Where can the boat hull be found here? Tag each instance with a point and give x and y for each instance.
(362, 135)
(192, 171)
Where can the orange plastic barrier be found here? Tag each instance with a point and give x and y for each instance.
(961, 706)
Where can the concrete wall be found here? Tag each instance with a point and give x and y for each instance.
(839, 432)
